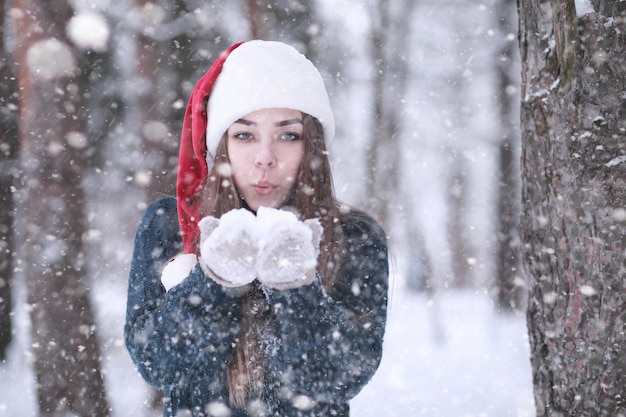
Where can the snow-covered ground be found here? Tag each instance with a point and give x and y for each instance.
(451, 356)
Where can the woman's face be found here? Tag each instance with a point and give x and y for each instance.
(265, 149)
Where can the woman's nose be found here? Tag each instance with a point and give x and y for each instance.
(265, 157)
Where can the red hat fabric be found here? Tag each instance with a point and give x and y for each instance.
(192, 163)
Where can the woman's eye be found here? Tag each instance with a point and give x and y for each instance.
(290, 136)
(243, 135)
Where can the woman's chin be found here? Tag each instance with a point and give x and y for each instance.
(254, 204)
(273, 200)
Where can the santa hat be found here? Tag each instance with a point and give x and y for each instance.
(247, 77)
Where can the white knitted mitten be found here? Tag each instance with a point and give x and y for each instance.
(228, 247)
(288, 248)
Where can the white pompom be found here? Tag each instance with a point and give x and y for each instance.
(177, 270)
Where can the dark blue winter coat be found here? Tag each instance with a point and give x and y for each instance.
(324, 347)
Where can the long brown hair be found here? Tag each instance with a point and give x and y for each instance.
(313, 197)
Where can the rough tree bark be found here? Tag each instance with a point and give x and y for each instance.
(64, 343)
(574, 203)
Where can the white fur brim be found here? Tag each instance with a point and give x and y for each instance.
(261, 75)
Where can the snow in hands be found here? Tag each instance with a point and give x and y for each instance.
(273, 246)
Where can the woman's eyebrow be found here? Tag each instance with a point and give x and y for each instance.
(279, 124)
(289, 122)
(245, 122)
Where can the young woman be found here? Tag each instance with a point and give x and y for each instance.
(254, 292)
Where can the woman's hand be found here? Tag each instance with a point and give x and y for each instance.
(229, 248)
(288, 249)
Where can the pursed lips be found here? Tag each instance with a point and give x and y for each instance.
(264, 187)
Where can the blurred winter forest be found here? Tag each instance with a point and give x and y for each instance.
(426, 95)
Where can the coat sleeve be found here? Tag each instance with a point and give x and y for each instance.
(331, 345)
(182, 335)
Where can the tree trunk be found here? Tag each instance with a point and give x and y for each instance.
(295, 23)
(257, 19)
(378, 177)
(457, 229)
(153, 127)
(574, 204)
(8, 171)
(8, 153)
(64, 343)
(389, 44)
(510, 285)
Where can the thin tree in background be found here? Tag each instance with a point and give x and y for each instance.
(509, 282)
(52, 142)
(168, 43)
(389, 45)
(153, 127)
(295, 23)
(8, 170)
(257, 19)
(574, 203)
(459, 183)
(461, 258)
